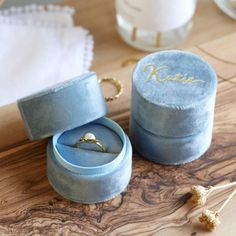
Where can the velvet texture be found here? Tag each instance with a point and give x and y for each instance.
(63, 107)
(171, 151)
(86, 174)
(171, 119)
(67, 112)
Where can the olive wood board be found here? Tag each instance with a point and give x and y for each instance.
(156, 202)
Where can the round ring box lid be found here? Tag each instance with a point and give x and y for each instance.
(173, 94)
(62, 107)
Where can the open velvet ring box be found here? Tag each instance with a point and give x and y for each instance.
(173, 99)
(67, 112)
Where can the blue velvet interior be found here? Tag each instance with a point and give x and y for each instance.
(172, 93)
(89, 155)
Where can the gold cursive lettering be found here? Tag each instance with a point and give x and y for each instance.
(154, 72)
(180, 78)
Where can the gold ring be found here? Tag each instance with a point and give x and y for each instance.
(117, 84)
(90, 138)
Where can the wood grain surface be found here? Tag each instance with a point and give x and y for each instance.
(156, 200)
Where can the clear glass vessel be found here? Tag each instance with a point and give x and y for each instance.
(228, 7)
(153, 25)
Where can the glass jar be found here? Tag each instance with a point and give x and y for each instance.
(228, 7)
(153, 25)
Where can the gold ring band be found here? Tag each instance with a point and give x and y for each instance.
(90, 138)
(117, 84)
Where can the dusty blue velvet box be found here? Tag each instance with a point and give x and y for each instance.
(173, 99)
(66, 112)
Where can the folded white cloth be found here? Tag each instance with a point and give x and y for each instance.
(40, 15)
(39, 47)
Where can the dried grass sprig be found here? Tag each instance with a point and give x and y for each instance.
(200, 193)
(210, 219)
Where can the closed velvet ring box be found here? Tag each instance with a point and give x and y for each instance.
(66, 112)
(173, 99)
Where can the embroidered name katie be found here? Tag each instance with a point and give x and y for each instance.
(180, 78)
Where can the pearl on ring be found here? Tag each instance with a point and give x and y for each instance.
(90, 136)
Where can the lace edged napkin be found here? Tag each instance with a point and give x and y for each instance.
(39, 47)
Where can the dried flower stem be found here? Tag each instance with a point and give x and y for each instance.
(200, 193)
(227, 201)
(211, 218)
(223, 186)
